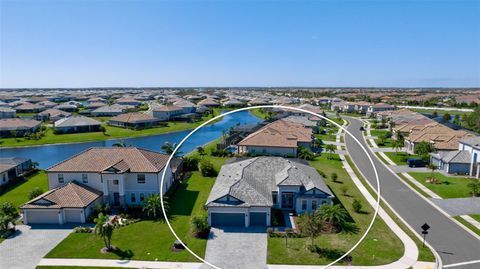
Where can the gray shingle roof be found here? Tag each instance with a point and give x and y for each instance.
(76, 121)
(455, 156)
(253, 180)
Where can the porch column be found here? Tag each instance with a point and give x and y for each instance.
(82, 216)
(60, 216)
(121, 189)
(25, 221)
(268, 217)
(247, 218)
(106, 198)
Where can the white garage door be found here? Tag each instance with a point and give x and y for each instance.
(42, 216)
(72, 216)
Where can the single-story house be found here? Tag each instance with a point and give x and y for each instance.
(70, 203)
(77, 124)
(18, 127)
(67, 107)
(6, 113)
(13, 167)
(208, 102)
(134, 120)
(472, 145)
(48, 104)
(112, 110)
(246, 190)
(167, 112)
(29, 108)
(52, 115)
(128, 101)
(453, 162)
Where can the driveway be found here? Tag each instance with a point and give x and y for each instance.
(237, 248)
(30, 244)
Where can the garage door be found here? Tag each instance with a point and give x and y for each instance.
(258, 219)
(228, 219)
(72, 216)
(42, 216)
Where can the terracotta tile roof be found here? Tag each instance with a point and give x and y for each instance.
(280, 133)
(134, 117)
(167, 108)
(70, 195)
(208, 102)
(17, 124)
(53, 112)
(97, 160)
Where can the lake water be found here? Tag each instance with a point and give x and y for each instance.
(49, 155)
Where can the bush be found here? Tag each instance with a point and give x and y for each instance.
(344, 190)
(190, 163)
(82, 230)
(357, 206)
(219, 153)
(207, 169)
(200, 226)
(34, 193)
(97, 209)
(334, 177)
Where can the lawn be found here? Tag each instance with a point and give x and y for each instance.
(467, 224)
(400, 158)
(476, 217)
(450, 187)
(259, 113)
(150, 240)
(381, 246)
(18, 194)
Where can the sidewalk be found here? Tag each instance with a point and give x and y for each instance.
(120, 263)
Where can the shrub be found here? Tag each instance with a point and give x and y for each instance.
(190, 163)
(97, 209)
(200, 226)
(334, 177)
(219, 153)
(35, 192)
(357, 205)
(207, 169)
(83, 230)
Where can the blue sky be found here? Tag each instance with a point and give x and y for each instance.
(239, 43)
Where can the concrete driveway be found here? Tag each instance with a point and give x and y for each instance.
(30, 244)
(237, 248)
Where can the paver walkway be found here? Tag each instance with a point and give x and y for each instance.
(237, 248)
(29, 245)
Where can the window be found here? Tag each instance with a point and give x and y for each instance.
(142, 197)
(314, 204)
(304, 204)
(115, 182)
(60, 178)
(133, 198)
(141, 179)
(324, 202)
(275, 197)
(84, 178)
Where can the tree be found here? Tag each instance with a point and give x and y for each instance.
(330, 149)
(432, 167)
(169, 147)
(7, 215)
(456, 120)
(305, 153)
(334, 177)
(435, 114)
(474, 186)
(200, 225)
(396, 145)
(335, 216)
(310, 226)
(153, 206)
(447, 117)
(35, 192)
(201, 150)
(190, 163)
(104, 227)
(207, 169)
(102, 129)
(423, 149)
(119, 144)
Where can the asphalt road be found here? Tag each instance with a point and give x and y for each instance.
(453, 244)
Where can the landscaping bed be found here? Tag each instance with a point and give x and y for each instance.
(448, 187)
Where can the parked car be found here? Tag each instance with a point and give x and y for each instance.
(416, 162)
(361, 128)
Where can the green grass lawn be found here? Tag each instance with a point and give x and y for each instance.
(378, 133)
(259, 113)
(476, 217)
(137, 240)
(18, 194)
(400, 158)
(468, 225)
(381, 245)
(450, 187)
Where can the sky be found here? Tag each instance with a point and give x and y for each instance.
(239, 43)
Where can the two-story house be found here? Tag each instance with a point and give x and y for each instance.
(246, 190)
(121, 175)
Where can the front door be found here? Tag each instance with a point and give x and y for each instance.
(287, 200)
(116, 199)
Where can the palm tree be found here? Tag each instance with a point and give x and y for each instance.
(119, 144)
(396, 145)
(169, 147)
(330, 148)
(432, 167)
(201, 150)
(153, 206)
(305, 153)
(334, 215)
(104, 228)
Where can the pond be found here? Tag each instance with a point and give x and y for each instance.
(48, 155)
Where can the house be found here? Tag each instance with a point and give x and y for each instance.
(134, 120)
(439, 136)
(6, 113)
(348, 107)
(452, 162)
(245, 191)
(167, 112)
(47, 104)
(29, 108)
(12, 168)
(18, 127)
(128, 101)
(208, 102)
(279, 138)
(69, 107)
(472, 145)
(232, 103)
(187, 106)
(52, 115)
(125, 176)
(70, 203)
(77, 124)
(362, 107)
(112, 110)
(375, 108)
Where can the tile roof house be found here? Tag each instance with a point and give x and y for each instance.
(6, 112)
(246, 190)
(29, 108)
(453, 162)
(134, 120)
(125, 175)
(70, 203)
(76, 124)
(112, 110)
(279, 138)
(18, 127)
(168, 112)
(12, 168)
(208, 102)
(52, 114)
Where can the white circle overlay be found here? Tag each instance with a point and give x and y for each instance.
(377, 205)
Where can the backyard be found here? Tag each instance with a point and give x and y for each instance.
(448, 187)
(381, 246)
(18, 194)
